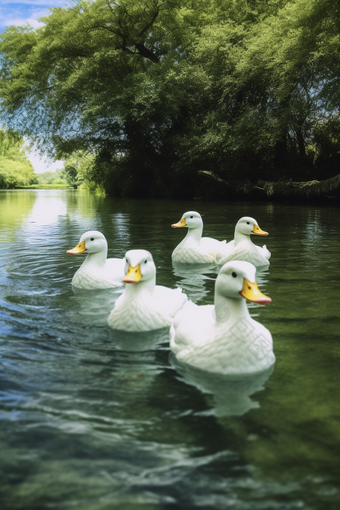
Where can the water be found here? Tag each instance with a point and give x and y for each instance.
(92, 420)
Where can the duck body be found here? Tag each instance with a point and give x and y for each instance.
(144, 306)
(242, 248)
(195, 249)
(97, 271)
(223, 338)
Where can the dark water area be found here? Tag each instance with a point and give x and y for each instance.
(92, 419)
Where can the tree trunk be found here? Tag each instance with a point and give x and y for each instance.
(301, 142)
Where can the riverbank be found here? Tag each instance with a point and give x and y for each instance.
(45, 186)
(211, 186)
(314, 191)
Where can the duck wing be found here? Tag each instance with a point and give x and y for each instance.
(170, 301)
(190, 327)
(224, 251)
(264, 252)
(246, 251)
(212, 245)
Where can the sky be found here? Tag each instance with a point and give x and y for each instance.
(20, 12)
(41, 164)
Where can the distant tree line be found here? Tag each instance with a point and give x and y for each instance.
(149, 96)
(66, 176)
(49, 179)
(16, 171)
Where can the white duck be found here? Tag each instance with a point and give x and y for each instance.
(194, 248)
(223, 338)
(144, 306)
(242, 248)
(97, 271)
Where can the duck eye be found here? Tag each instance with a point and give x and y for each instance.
(92, 238)
(145, 261)
(233, 274)
(191, 216)
(248, 223)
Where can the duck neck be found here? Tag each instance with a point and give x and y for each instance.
(194, 234)
(227, 308)
(145, 288)
(97, 259)
(239, 237)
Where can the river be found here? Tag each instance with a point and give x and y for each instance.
(91, 421)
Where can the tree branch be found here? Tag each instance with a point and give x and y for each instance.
(309, 190)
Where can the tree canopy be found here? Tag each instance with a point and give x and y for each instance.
(153, 91)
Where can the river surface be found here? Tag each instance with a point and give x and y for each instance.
(92, 420)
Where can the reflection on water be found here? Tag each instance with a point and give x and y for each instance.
(14, 209)
(94, 306)
(43, 215)
(121, 228)
(142, 341)
(231, 393)
(95, 419)
(193, 279)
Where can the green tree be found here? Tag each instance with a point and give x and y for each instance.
(71, 176)
(280, 82)
(15, 168)
(79, 169)
(83, 80)
(152, 91)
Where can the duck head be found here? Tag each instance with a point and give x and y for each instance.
(90, 242)
(139, 267)
(236, 279)
(190, 219)
(247, 226)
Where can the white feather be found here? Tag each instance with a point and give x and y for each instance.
(97, 271)
(145, 306)
(242, 248)
(223, 338)
(194, 248)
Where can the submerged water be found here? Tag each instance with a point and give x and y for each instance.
(90, 419)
